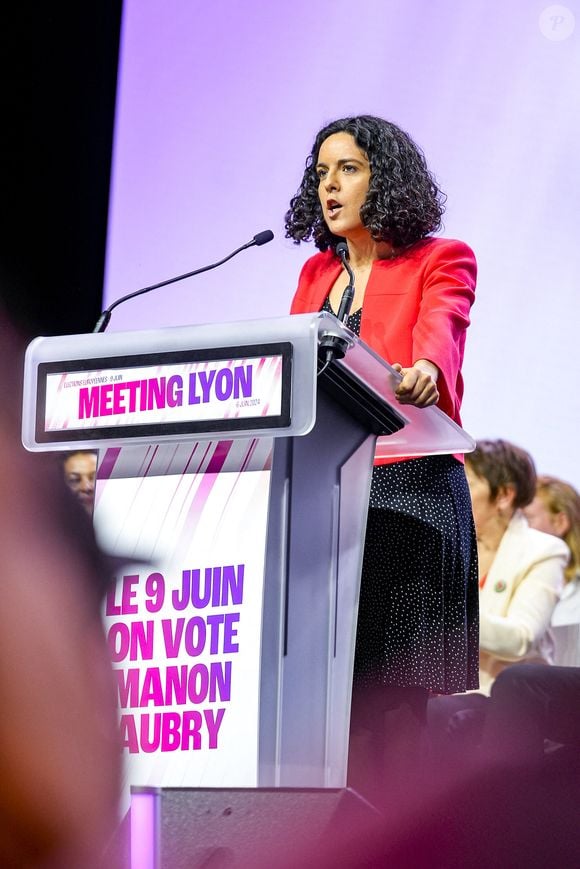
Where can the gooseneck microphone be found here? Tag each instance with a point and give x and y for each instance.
(348, 295)
(333, 346)
(259, 239)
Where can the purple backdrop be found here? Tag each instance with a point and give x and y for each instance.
(218, 104)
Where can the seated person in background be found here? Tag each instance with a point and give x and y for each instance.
(556, 510)
(80, 471)
(530, 703)
(521, 576)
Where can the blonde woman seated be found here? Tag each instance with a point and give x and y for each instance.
(521, 577)
(556, 510)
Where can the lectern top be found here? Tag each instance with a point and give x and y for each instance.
(232, 380)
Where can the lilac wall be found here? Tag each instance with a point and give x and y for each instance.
(218, 104)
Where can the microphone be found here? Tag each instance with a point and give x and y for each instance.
(332, 347)
(348, 295)
(259, 239)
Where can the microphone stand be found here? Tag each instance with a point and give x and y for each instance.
(348, 295)
(332, 346)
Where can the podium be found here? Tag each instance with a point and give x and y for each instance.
(234, 481)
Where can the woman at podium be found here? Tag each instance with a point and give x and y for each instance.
(366, 183)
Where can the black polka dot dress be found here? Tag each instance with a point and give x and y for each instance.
(418, 609)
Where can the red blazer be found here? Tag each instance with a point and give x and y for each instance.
(416, 306)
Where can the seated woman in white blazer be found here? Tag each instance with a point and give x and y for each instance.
(521, 570)
(521, 577)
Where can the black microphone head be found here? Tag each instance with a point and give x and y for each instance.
(263, 237)
(342, 249)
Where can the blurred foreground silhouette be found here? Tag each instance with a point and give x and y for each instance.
(58, 734)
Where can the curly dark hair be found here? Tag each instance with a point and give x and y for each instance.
(504, 464)
(403, 204)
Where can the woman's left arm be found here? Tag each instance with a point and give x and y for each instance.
(448, 293)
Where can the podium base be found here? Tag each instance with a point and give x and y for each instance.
(239, 828)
